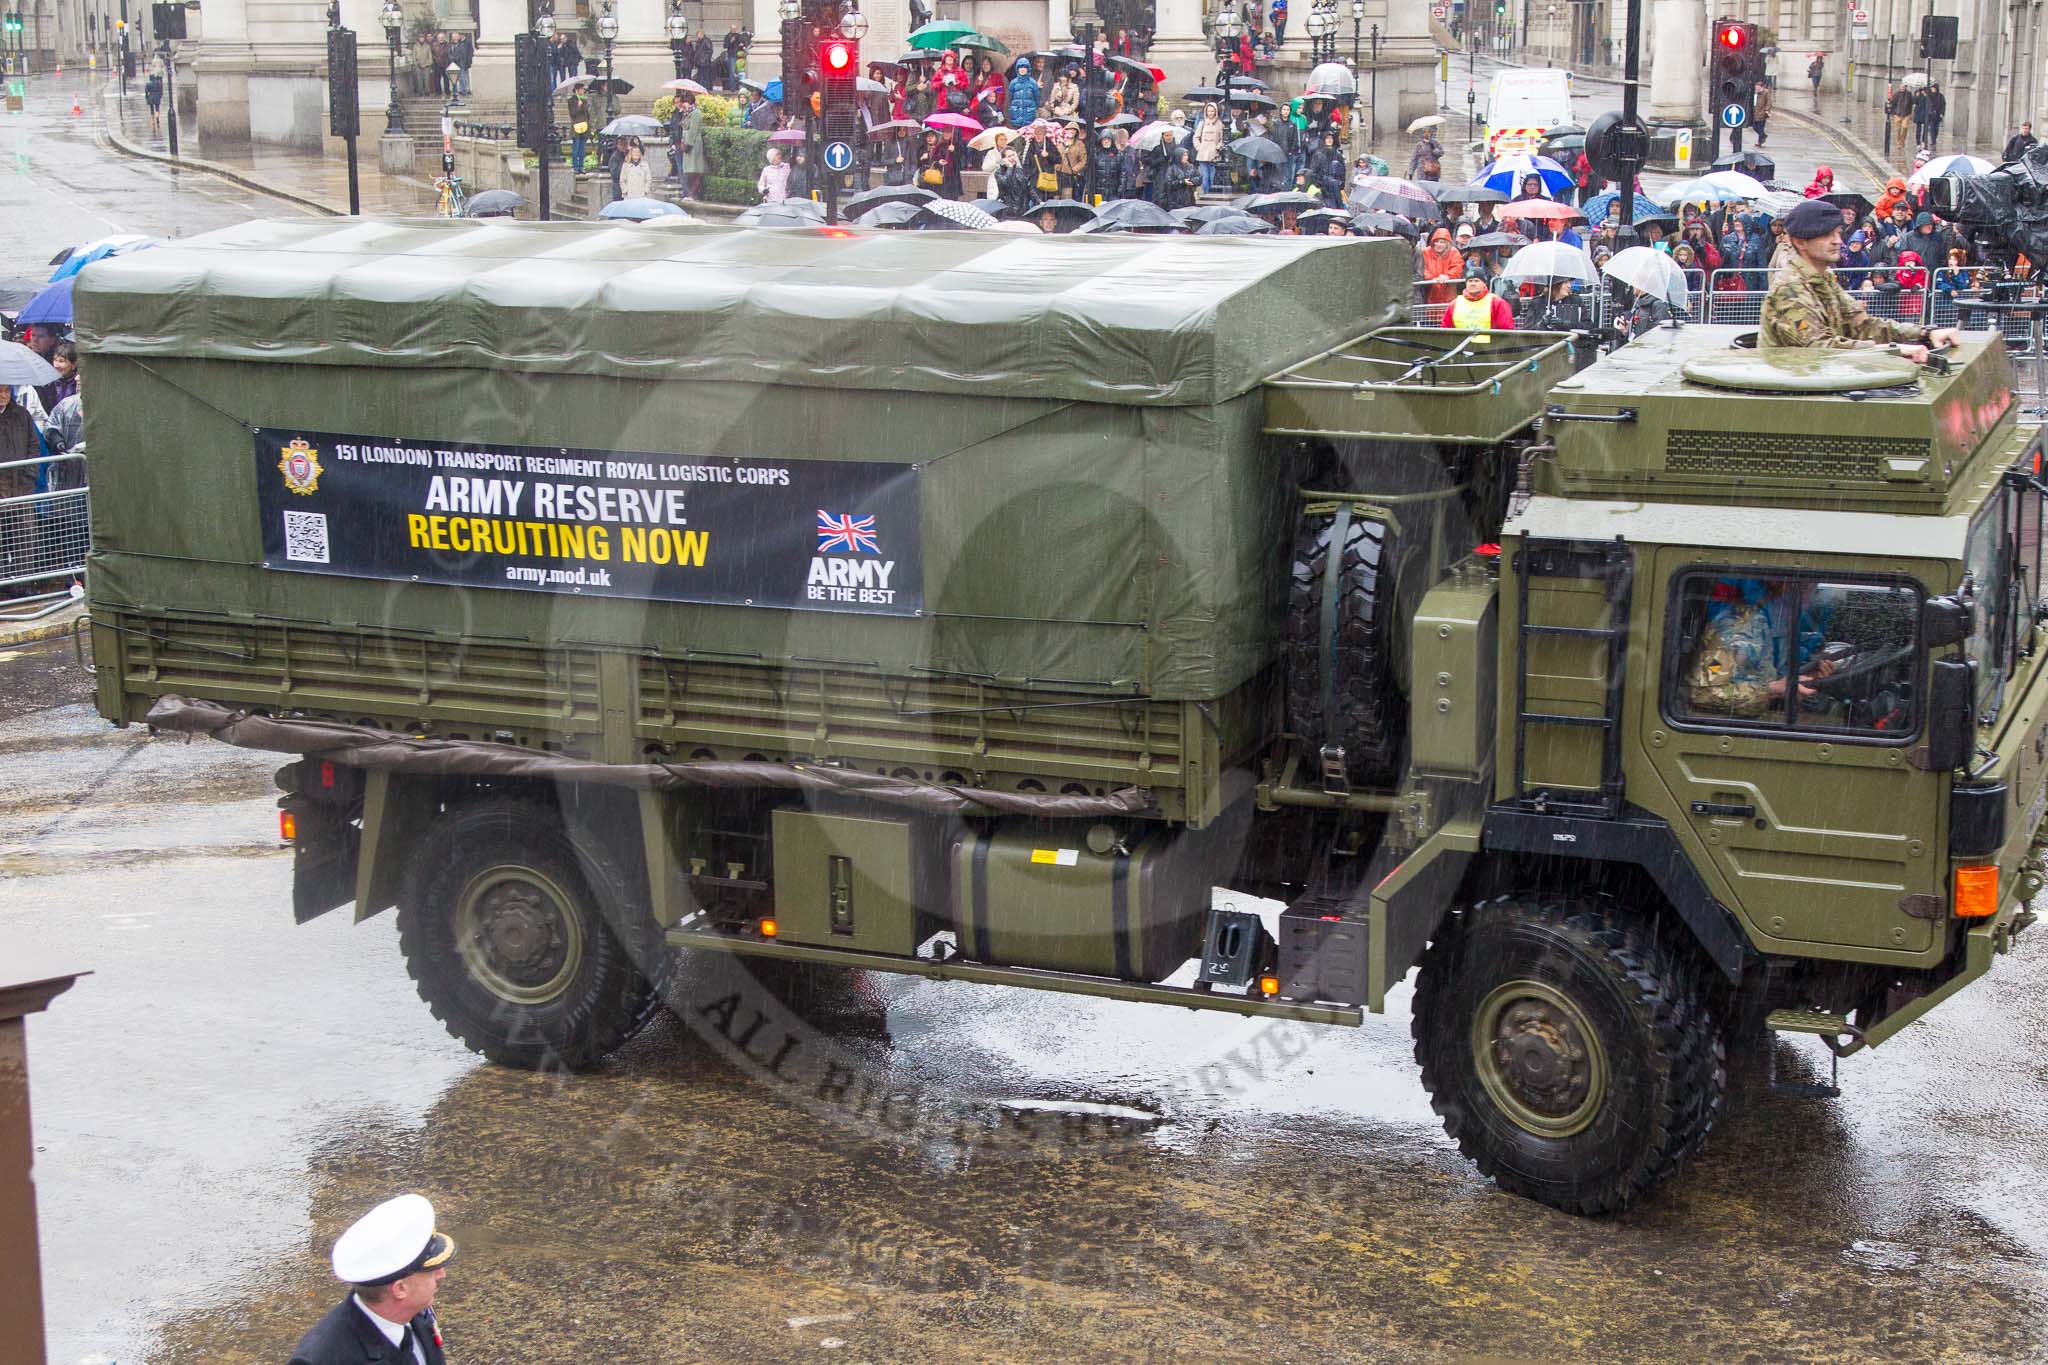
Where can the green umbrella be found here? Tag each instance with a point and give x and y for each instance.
(941, 33)
(979, 41)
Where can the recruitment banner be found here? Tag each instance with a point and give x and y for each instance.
(824, 535)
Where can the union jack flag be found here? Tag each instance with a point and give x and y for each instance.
(843, 532)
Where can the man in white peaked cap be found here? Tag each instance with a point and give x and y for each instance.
(394, 1260)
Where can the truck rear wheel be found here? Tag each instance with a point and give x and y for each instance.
(1371, 696)
(506, 939)
(1567, 1050)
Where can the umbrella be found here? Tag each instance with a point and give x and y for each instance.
(82, 256)
(1561, 142)
(1132, 215)
(788, 213)
(1120, 121)
(676, 219)
(1065, 210)
(916, 58)
(1376, 221)
(53, 304)
(1508, 172)
(1595, 208)
(1498, 241)
(1317, 221)
(787, 137)
(492, 204)
(1136, 68)
(1237, 225)
(1779, 202)
(1198, 94)
(1259, 149)
(1252, 97)
(1463, 194)
(979, 42)
(1251, 81)
(868, 87)
(772, 92)
(1208, 213)
(1849, 199)
(1949, 165)
(573, 83)
(894, 213)
(631, 125)
(1748, 186)
(1666, 221)
(992, 206)
(1426, 121)
(1017, 225)
(599, 85)
(939, 34)
(1543, 210)
(1056, 54)
(638, 210)
(1762, 165)
(1285, 199)
(746, 83)
(19, 365)
(952, 214)
(1331, 81)
(1913, 80)
(684, 86)
(1700, 192)
(1548, 261)
(1404, 197)
(894, 125)
(857, 204)
(1152, 134)
(1651, 272)
(895, 69)
(951, 120)
(986, 138)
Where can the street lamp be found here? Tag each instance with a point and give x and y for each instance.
(608, 33)
(678, 35)
(1087, 25)
(393, 19)
(1357, 21)
(852, 23)
(543, 34)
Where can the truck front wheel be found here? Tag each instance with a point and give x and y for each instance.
(505, 938)
(1567, 1049)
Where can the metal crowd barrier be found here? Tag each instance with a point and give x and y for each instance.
(44, 535)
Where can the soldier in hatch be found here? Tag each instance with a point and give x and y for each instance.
(1807, 306)
(1738, 669)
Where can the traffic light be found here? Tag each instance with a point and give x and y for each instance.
(530, 93)
(838, 70)
(344, 102)
(1732, 71)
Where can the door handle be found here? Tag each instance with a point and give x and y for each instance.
(1723, 810)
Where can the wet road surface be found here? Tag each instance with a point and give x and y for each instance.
(988, 1178)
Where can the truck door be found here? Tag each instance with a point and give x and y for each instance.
(1788, 708)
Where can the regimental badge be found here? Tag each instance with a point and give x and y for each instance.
(300, 465)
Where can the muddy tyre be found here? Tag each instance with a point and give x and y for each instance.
(506, 939)
(1567, 1049)
(1372, 705)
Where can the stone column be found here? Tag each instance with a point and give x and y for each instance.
(764, 55)
(1678, 47)
(220, 64)
(1179, 47)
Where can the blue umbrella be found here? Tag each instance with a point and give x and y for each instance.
(1506, 174)
(93, 251)
(639, 210)
(52, 305)
(772, 92)
(1595, 208)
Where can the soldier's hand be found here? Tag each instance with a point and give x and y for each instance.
(1916, 354)
(1945, 336)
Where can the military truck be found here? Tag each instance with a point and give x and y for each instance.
(972, 606)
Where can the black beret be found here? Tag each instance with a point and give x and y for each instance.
(1814, 218)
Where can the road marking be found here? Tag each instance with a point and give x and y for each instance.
(798, 1324)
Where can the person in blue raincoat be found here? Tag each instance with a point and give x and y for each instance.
(1023, 96)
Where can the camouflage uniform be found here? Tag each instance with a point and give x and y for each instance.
(1808, 307)
(1736, 664)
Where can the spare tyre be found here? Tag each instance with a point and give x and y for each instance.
(1378, 580)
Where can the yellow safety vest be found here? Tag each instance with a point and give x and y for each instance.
(1473, 315)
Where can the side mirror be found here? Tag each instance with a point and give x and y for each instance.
(1951, 715)
(1946, 621)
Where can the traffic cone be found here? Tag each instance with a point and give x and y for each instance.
(76, 107)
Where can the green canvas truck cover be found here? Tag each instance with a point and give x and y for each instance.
(1071, 423)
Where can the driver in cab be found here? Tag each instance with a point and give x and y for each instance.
(1738, 668)
(1807, 306)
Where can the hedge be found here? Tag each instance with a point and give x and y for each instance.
(736, 153)
(725, 190)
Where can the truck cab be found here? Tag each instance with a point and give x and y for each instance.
(1521, 105)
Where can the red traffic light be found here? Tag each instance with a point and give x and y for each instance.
(839, 58)
(1733, 35)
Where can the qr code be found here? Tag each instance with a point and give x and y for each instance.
(305, 537)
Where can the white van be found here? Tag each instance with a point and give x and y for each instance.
(1522, 105)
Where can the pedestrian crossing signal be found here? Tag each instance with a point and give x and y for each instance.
(1733, 37)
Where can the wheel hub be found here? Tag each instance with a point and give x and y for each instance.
(1539, 1058)
(518, 935)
